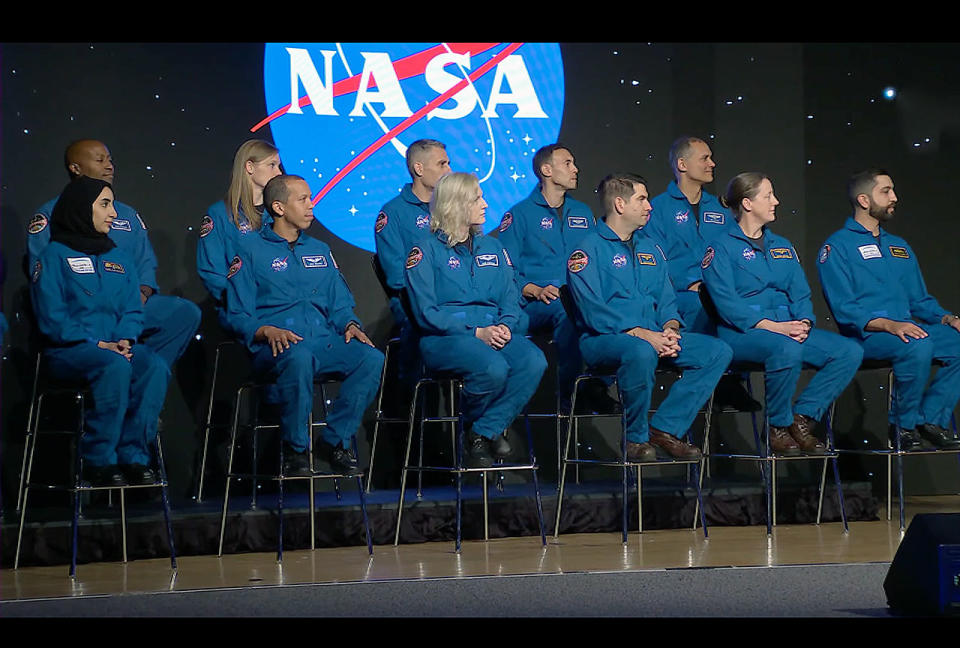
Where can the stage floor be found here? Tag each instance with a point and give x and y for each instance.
(807, 544)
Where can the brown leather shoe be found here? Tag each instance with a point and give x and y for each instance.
(781, 442)
(673, 446)
(801, 433)
(640, 452)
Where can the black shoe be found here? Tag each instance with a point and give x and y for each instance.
(477, 451)
(732, 396)
(909, 440)
(938, 436)
(295, 464)
(139, 474)
(342, 460)
(500, 446)
(103, 476)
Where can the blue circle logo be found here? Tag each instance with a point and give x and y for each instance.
(342, 115)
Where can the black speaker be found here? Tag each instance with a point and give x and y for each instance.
(924, 577)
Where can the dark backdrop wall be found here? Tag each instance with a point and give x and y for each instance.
(173, 115)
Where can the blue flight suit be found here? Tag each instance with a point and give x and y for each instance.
(864, 278)
(298, 286)
(453, 291)
(400, 223)
(539, 238)
(683, 238)
(618, 285)
(169, 321)
(80, 300)
(750, 280)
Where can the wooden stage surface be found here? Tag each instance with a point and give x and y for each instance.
(867, 542)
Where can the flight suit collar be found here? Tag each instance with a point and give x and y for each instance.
(407, 194)
(856, 227)
(267, 233)
(737, 233)
(607, 232)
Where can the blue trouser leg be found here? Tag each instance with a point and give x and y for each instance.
(169, 324)
(292, 373)
(695, 319)
(911, 368)
(360, 365)
(636, 363)
(497, 384)
(782, 358)
(836, 359)
(703, 360)
(408, 365)
(148, 389)
(553, 318)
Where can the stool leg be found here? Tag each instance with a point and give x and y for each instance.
(536, 483)
(566, 456)
(459, 480)
(486, 517)
(639, 500)
(379, 417)
(30, 431)
(206, 428)
(123, 522)
(280, 509)
(698, 468)
(73, 533)
(161, 465)
(363, 511)
(406, 459)
(31, 447)
(313, 490)
(226, 489)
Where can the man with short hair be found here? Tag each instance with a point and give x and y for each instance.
(402, 221)
(169, 322)
(872, 282)
(618, 278)
(538, 233)
(683, 219)
(291, 307)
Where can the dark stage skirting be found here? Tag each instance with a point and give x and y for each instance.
(593, 506)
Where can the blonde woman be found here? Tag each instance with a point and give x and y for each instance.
(465, 300)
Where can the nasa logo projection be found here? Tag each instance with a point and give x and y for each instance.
(343, 114)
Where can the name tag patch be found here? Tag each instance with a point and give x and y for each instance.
(81, 265)
(781, 253)
(577, 221)
(713, 217)
(110, 266)
(121, 224)
(484, 260)
(899, 252)
(646, 259)
(870, 251)
(315, 261)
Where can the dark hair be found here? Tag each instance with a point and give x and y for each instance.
(744, 185)
(416, 149)
(277, 190)
(615, 185)
(543, 155)
(863, 182)
(680, 149)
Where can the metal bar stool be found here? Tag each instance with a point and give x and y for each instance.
(455, 416)
(767, 461)
(381, 418)
(894, 447)
(79, 486)
(209, 422)
(279, 477)
(28, 436)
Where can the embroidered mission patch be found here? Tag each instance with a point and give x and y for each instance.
(506, 222)
(824, 253)
(381, 222)
(235, 266)
(37, 224)
(206, 225)
(577, 261)
(415, 256)
(707, 258)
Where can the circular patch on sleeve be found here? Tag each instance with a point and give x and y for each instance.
(206, 225)
(381, 222)
(235, 266)
(37, 224)
(37, 267)
(415, 256)
(506, 222)
(577, 261)
(707, 258)
(824, 253)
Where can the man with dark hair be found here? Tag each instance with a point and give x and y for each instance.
(538, 233)
(683, 219)
(873, 284)
(618, 278)
(400, 223)
(169, 322)
(291, 307)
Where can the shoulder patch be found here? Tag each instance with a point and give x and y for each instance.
(506, 222)
(577, 261)
(314, 261)
(111, 266)
(715, 218)
(121, 224)
(899, 252)
(646, 259)
(142, 224)
(381, 222)
(37, 224)
(484, 260)
(707, 258)
(781, 253)
(206, 225)
(578, 222)
(235, 266)
(415, 256)
(824, 253)
(37, 268)
(81, 265)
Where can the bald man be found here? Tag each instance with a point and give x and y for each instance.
(169, 322)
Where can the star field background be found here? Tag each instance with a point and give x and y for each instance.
(173, 115)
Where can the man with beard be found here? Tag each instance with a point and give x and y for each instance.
(872, 282)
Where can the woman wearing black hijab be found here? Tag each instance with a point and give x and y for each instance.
(86, 297)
